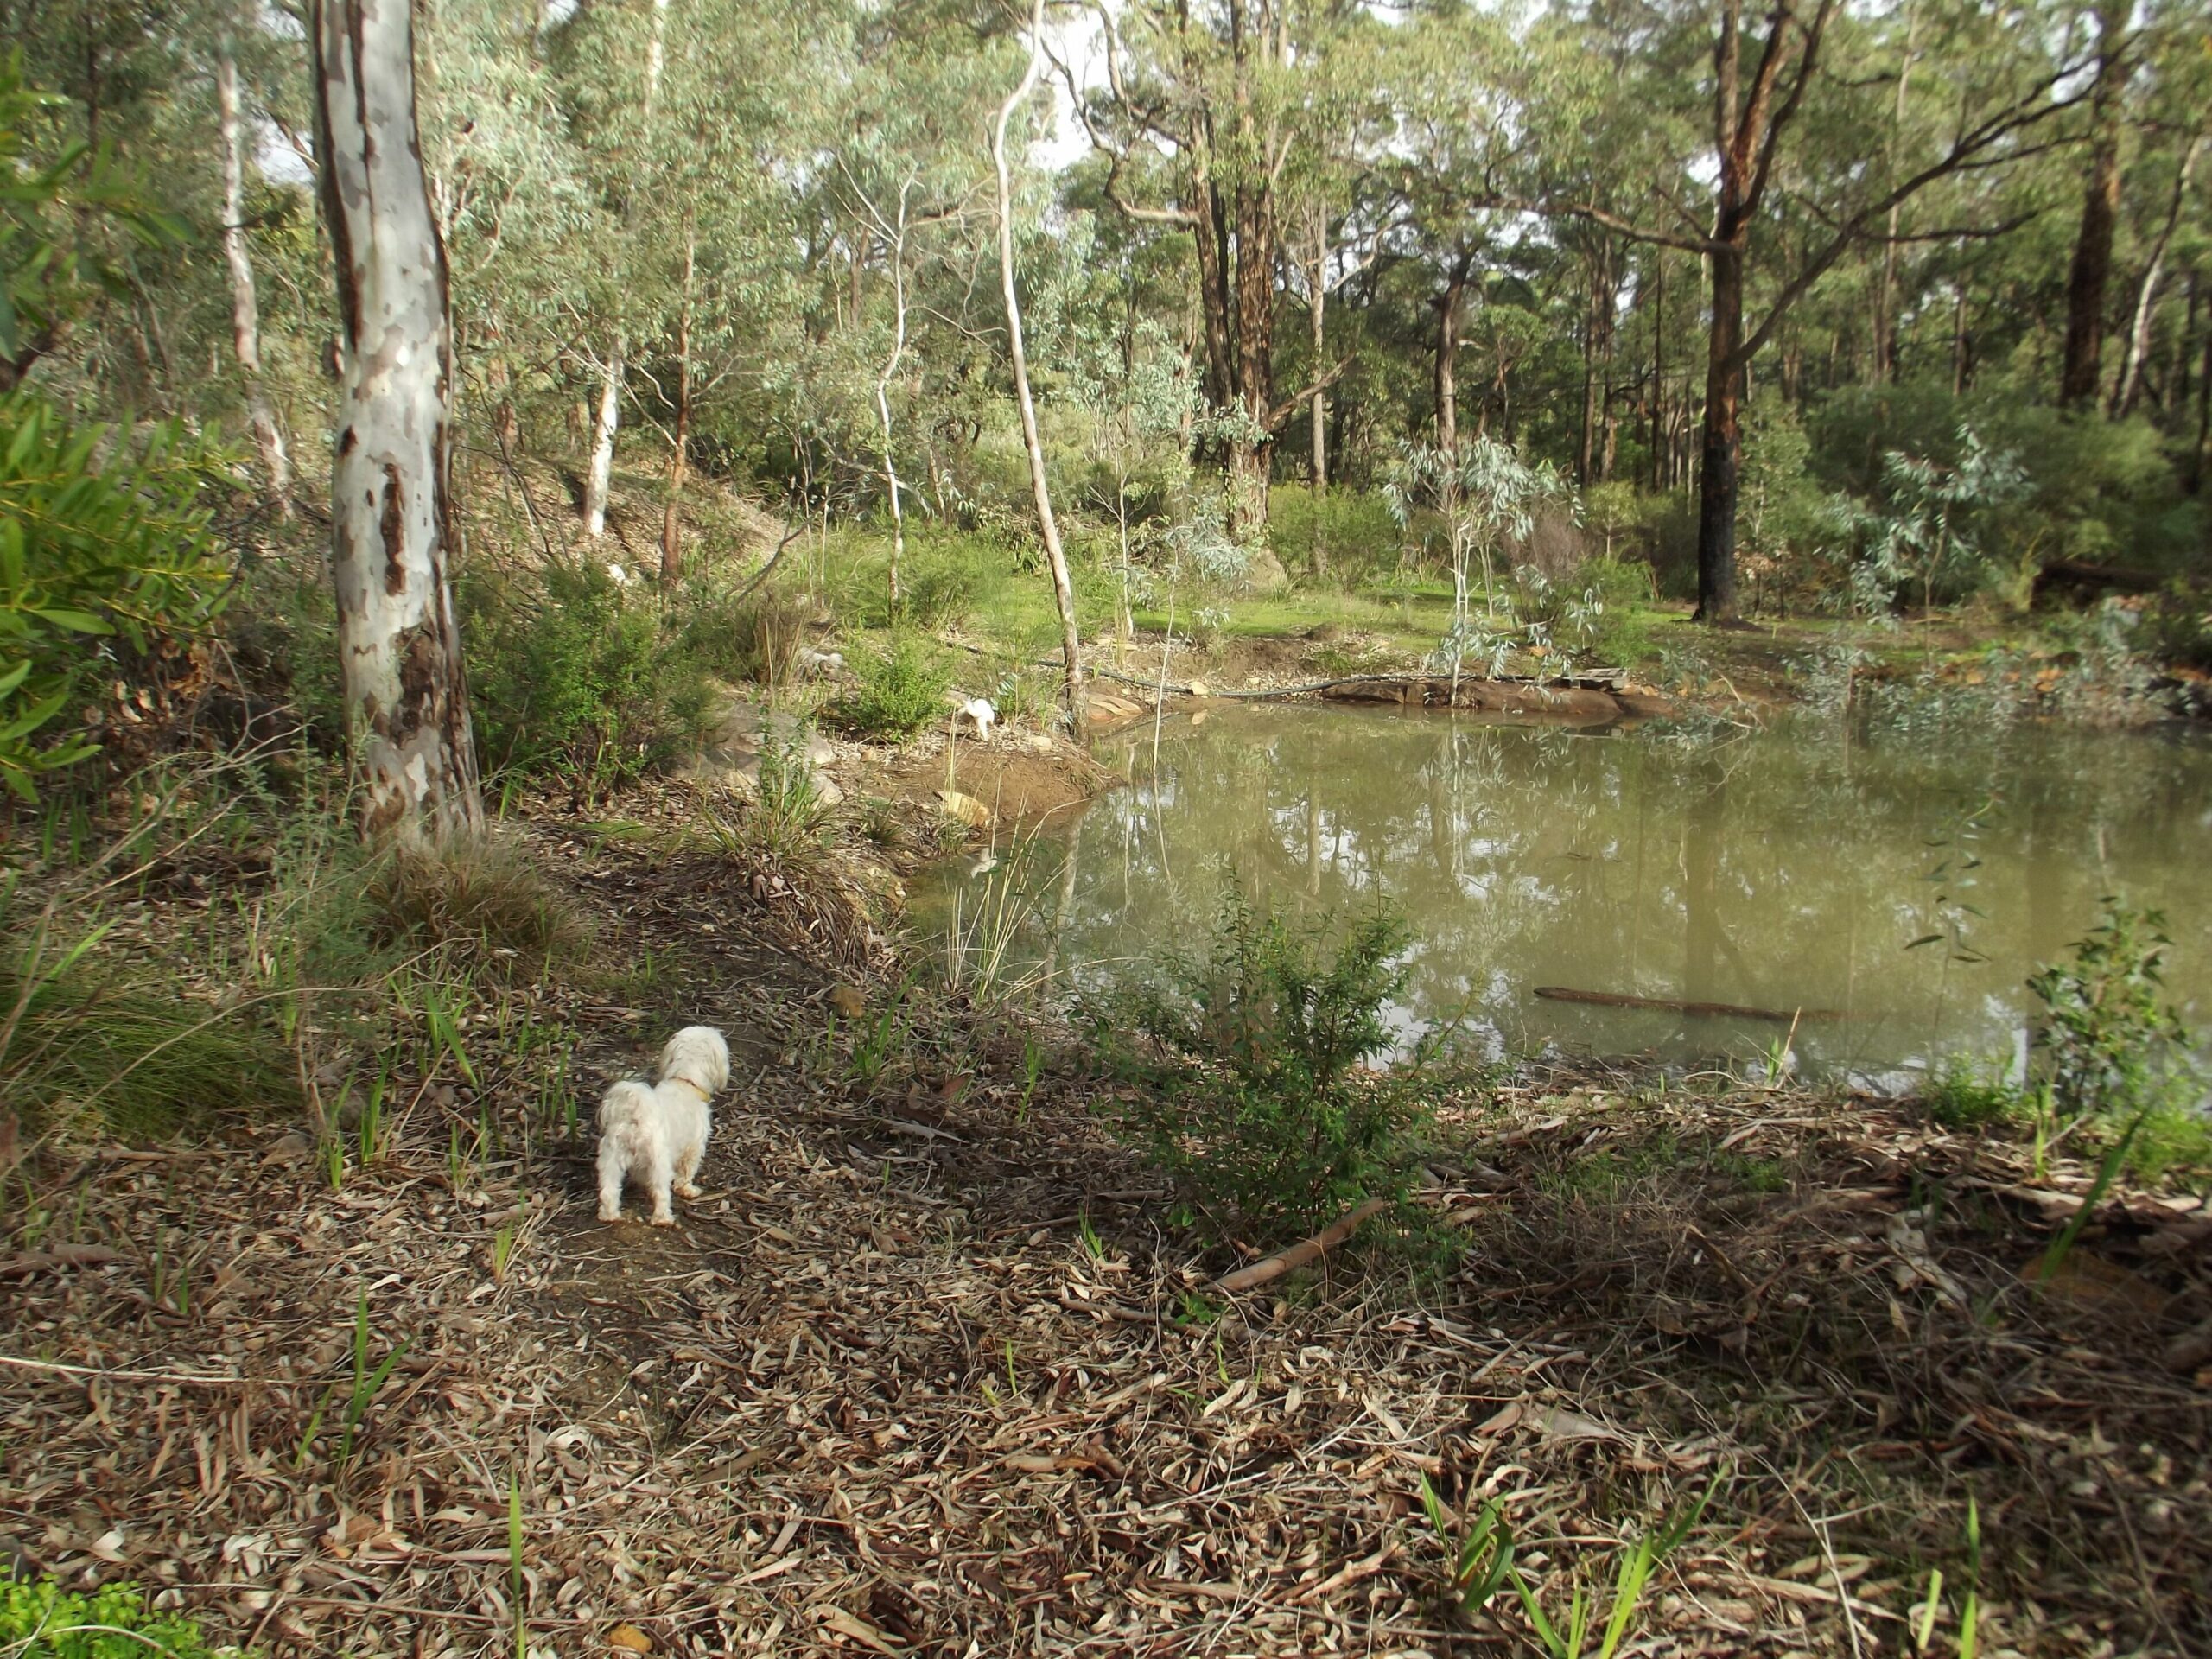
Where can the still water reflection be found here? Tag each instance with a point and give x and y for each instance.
(1791, 869)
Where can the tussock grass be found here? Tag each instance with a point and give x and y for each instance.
(481, 903)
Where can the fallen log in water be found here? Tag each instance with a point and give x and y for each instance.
(1672, 1005)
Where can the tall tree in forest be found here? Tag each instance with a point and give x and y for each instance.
(2080, 364)
(406, 695)
(1056, 559)
(1761, 90)
(1204, 94)
(246, 309)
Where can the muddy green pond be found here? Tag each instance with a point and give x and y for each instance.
(1892, 892)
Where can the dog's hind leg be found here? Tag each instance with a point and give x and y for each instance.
(687, 1169)
(612, 1169)
(660, 1175)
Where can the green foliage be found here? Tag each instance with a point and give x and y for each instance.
(574, 676)
(41, 1620)
(2110, 1046)
(1255, 1100)
(1569, 1638)
(938, 593)
(1479, 1559)
(103, 544)
(900, 689)
(1960, 1095)
(1343, 537)
(50, 187)
(757, 638)
(79, 1041)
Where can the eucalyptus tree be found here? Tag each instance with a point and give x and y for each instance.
(1201, 108)
(1040, 488)
(406, 695)
(1767, 84)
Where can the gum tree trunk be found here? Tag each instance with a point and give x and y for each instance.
(1717, 473)
(679, 460)
(245, 309)
(406, 695)
(2091, 271)
(1055, 556)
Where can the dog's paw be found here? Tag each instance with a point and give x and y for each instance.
(610, 1216)
(685, 1190)
(664, 1221)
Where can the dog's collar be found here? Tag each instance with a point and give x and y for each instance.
(703, 1094)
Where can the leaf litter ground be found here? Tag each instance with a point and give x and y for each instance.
(924, 1372)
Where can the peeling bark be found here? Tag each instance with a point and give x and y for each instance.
(406, 695)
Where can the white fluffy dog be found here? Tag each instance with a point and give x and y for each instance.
(655, 1132)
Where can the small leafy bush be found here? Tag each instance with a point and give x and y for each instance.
(104, 544)
(41, 1620)
(900, 688)
(573, 677)
(1254, 1098)
(2110, 1045)
(1959, 1094)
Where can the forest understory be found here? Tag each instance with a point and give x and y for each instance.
(927, 1370)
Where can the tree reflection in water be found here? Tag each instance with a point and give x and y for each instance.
(1784, 870)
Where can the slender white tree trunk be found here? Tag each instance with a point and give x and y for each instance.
(883, 400)
(2130, 385)
(406, 694)
(246, 309)
(606, 419)
(1055, 556)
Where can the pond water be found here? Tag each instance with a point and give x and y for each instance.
(1787, 869)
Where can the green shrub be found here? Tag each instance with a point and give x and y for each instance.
(757, 638)
(1341, 536)
(938, 593)
(41, 1620)
(2110, 1046)
(573, 677)
(900, 689)
(104, 544)
(1253, 1098)
(1960, 1095)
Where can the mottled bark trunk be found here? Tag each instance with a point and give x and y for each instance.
(1659, 471)
(1717, 480)
(1041, 489)
(1881, 329)
(2080, 367)
(406, 694)
(246, 307)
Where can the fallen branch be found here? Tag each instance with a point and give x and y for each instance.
(1671, 1005)
(1269, 1268)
